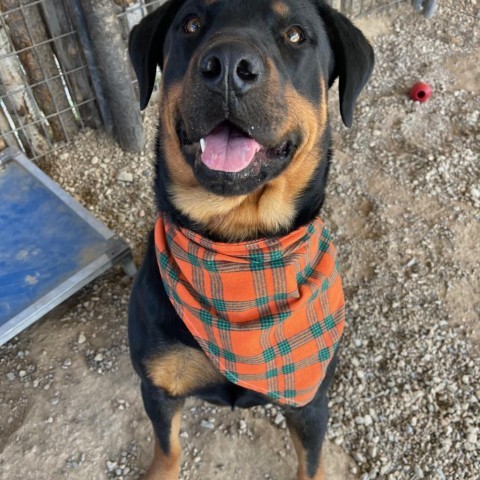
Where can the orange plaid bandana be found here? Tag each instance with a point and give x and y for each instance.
(268, 313)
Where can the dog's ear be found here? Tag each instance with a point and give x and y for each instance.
(353, 58)
(145, 46)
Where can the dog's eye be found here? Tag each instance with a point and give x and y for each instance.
(192, 25)
(295, 35)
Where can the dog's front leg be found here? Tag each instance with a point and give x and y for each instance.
(165, 413)
(308, 426)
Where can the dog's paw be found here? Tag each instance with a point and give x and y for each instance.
(427, 7)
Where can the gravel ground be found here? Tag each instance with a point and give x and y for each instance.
(404, 205)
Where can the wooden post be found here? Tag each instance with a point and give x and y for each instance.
(69, 55)
(8, 138)
(113, 64)
(27, 30)
(18, 103)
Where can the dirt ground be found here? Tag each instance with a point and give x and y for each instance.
(404, 206)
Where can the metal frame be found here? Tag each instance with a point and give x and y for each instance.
(116, 251)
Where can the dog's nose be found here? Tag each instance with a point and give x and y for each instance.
(231, 65)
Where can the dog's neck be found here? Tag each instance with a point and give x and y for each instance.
(275, 209)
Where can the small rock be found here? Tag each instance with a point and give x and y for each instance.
(475, 192)
(125, 177)
(469, 447)
(472, 438)
(419, 472)
(279, 419)
(98, 357)
(22, 373)
(207, 424)
(11, 376)
(359, 420)
(81, 338)
(358, 457)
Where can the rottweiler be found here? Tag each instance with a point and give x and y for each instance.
(238, 300)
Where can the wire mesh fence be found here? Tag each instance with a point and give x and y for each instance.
(46, 91)
(48, 87)
(46, 95)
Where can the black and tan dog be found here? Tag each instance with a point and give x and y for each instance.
(243, 153)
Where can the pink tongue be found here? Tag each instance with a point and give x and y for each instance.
(228, 150)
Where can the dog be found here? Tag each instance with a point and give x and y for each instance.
(238, 300)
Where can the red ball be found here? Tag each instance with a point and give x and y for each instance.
(421, 92)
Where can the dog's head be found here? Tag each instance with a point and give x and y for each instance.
(243, 112)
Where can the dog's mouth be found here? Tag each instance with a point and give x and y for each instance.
(230, 161)
(228, 149)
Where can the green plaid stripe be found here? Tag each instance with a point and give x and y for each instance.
(329, 322)
(284, 347)
(289, 368)
(324, 354)
(272, 373)
(261, 261)
(269, 354)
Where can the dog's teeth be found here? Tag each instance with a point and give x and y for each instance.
(202, 144)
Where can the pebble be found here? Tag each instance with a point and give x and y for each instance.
(207, 424)
(81, 338)
(367, 420)
(358, 457)
(99, 357)
(359, 420)
(472, 438)
(279, 419)
(418, 472)
(11, 376)
(125, 177)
